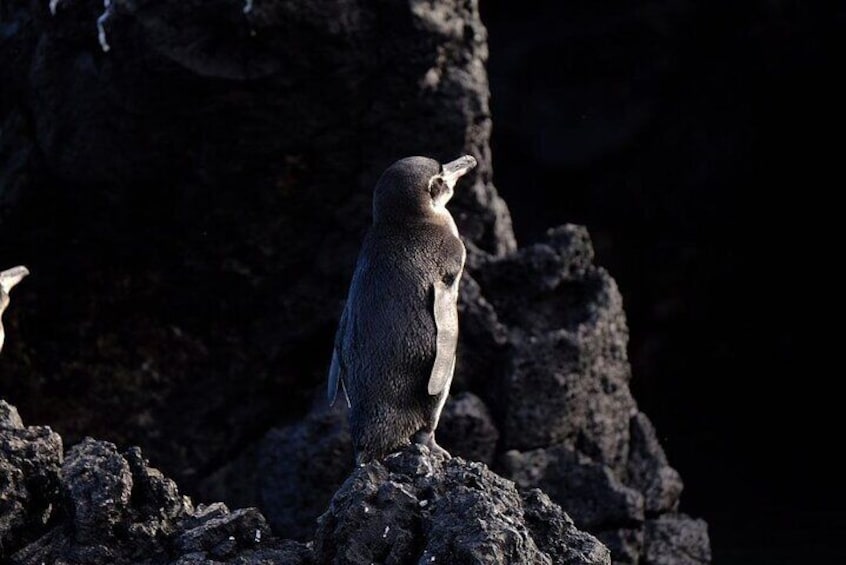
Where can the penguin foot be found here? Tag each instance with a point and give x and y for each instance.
(428, 439)
(435, 448)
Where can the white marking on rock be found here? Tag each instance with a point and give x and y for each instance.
(101, 22)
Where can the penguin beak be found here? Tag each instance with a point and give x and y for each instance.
(11, 277)
(454, 170)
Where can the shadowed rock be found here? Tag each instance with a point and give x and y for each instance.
(210, 181)
(112, 507)
(648, 470)
(589, 490)
(546, 352)
(467, 430)
(417, 507)
(30, 459)
(676, 539)
(221, 165)
(106, 507)
(300, 468)
(567, 374)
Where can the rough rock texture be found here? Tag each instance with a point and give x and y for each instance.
(569, 421)
(300, 468)
(676, 539)
(208, 182)
(648, 470)
(595, 497)
(417, 505)
(113, 508)
(467, 429)
(101, 506)
(544, 350)
(30, 458)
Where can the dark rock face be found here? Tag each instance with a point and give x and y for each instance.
(417, 507)
(30, 459)
(467, 428)
(100, 506)
(544, 336)
(112, 507)
(648, 470)
(595, 497)
(300, 468)
(676, 539)
(568, 416)
(567, 375)
(209, 181)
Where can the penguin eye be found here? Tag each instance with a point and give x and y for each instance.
(436, 187)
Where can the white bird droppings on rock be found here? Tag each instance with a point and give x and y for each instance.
(101, 22)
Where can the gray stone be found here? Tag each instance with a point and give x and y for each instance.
(467, 429)
(567, 377)
(482, 344)
(30, 459)
(556, 534)
(236, 481)
(252, 143)
(676, 539)
(96, 486)
(222, 536)
(299, 469)
(419, 507)
(648, 469)
(9, 417)
(626, 545)
(108, 508)
(588, 490)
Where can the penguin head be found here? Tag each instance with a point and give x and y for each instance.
(417, 188)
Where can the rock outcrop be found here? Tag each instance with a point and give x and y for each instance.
(416, 504)
(554, 410)
(209, 180)
(98, 505)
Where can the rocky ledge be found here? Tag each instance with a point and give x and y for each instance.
(209, 180)
(99, 505)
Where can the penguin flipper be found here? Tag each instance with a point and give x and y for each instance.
(335, 379)
(335, 370)
(446, 322)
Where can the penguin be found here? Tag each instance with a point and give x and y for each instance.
(8, 279)
(394, 352)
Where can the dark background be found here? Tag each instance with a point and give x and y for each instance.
(697, 141)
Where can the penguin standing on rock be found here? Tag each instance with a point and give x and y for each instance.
(394, 352)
